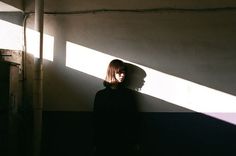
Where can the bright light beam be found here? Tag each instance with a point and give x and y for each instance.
(158, 84)
(87, 60)
(11, 38)
(4, 7)
(32, 40)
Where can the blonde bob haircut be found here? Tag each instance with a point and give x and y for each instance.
(115, 66)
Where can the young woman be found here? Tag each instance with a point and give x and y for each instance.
(115, 112)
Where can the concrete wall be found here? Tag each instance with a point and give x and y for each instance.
(194, 45)
(189, 45)
(11, 30)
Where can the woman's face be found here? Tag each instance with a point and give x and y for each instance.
(120, 76)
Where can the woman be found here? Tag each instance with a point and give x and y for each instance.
(115, 114)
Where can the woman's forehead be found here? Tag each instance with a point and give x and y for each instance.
(122, 69)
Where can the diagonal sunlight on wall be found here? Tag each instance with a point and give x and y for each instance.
(12, 38)
(32, 41)
(158, 84)
(87, 60)
(4, 7)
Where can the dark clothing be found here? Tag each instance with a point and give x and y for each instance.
(115, 121)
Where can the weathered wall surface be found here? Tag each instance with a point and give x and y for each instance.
(194, 45)
(193, 42)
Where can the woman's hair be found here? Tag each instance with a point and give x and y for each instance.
(114, 67)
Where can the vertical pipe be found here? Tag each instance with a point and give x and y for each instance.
(38, 80)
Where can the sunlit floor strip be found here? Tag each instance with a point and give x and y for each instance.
(158, 84)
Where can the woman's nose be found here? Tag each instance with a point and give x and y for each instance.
(122, 74)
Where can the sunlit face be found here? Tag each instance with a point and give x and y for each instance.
(120, 76)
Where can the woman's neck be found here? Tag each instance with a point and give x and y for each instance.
(116, 86)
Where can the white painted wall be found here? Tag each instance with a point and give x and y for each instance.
(196, 47)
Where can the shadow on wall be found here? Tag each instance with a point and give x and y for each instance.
(135, 80)
(135, 77)
(69, 132)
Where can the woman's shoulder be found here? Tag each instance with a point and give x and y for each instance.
(102, 91)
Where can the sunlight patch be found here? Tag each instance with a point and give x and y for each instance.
(33, 44)
(157, 84)
(11, 36)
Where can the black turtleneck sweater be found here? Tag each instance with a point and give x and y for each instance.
(115, 117)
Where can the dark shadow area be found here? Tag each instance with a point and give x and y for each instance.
(186, 134)
(4, 86)
(12, 17)
(135, 77)
(3, 132)
(67, 133)
(158, 133)
(115, 116)
(135, 81)
(15, 124)
(165, 134)
(4, 106)
(71, 89)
